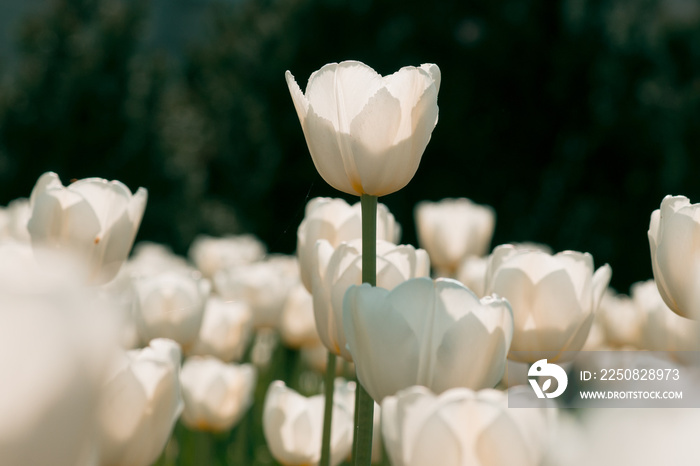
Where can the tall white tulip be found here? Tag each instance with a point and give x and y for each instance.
(461, 427)
(367, 133)
(337, 269)
(553, 297)
(94, 218)
(452, 230)
(140, 404)
(675, 254)
(432, 333)
(216, 394)
(335, 221)
(292, 425)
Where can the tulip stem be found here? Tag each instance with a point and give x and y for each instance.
(364, 403)
(329, 383)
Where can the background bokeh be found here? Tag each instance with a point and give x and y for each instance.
(572, 118)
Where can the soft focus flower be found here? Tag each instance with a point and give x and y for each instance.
(661, 329)
(225, 331)
(298, 324)
(337, 269)
(216, 394)
(211, 254)
(151, 259)
(336, 221)
(461, 427)
(553, 298)
(472, 273)
(53, 346)
(264, 286)
(432, 333)
(171, 305)
(93, 218)
(14, 219)
(367, 133)
(675, 254)
(140, 404)
(293, 425)
(620, 320)
(452, 230)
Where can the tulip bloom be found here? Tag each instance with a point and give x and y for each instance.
(263, 285)
(216, 394)
(341, 267)
(432, 333)
(292, 425)
(213, 254)
(225, 331)
(140, 405)
(675, 254)
(298, 324)
(171, 305)
(461, 427)
(452, 230)
(336, 221)
(94, 218)
(367, 133)
(554, 298)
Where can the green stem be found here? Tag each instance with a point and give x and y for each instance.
(364, 406)
(329, 383)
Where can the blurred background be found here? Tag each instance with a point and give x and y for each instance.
(572, 118)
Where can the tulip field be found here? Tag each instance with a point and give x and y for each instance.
(355, 350)
(349, 233)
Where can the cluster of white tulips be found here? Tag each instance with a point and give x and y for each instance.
(102, 353)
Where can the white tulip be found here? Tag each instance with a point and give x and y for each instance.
(461, 427)
(171, 305)
(335, 221)
(293, 425)
(216, 394)
(225, 331)
(337, 269)
(140, 404)
(620, 320)
(675, 254)
(213, 254)
(93, 218)
(298, 324)
(264, 286)
(432, 333)
(452, 230)
(472, 273)
(553, 298)
(367, 133)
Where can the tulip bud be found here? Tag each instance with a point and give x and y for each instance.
(216, 394)
(225, 331)
(553, 298)
(95, 219)
(620, 320)
(461, 427)
(140, 404)
(452, 230)
(338, 268)
(367, 133)
(432, 333)
(335, 221)
(675, 254)
(293, 424)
